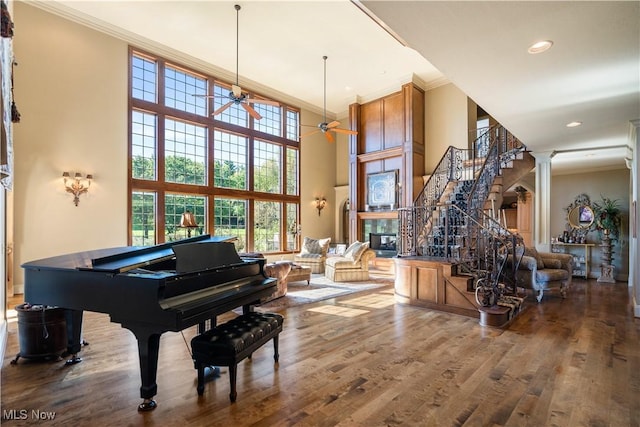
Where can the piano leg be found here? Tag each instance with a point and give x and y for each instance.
(148, 349)
(74, 333)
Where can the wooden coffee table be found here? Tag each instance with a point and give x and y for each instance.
(299, 273)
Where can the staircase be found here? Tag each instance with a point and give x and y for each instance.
(455, 219)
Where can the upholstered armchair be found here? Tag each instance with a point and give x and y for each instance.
(541, 271)
(278, 271)
(313, 254)
(353, 266)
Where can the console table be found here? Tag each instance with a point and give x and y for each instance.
(581, 253)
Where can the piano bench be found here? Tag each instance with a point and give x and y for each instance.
(231, 342)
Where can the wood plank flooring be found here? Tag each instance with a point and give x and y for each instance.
(363, 360)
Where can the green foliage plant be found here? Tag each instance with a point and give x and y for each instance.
(608, 217)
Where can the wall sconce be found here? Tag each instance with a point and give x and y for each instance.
(320, 203)
(188, 221)
(76, 185)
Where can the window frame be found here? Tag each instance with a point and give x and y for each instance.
(160, 187)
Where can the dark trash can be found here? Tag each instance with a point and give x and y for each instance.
(42, 331)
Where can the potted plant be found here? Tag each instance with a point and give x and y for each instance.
(608, 217)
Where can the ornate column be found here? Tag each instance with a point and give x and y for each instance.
(542, 205)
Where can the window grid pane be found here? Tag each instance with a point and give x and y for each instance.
(292, 226)
(185, 152)
(267, 167)
(293, 125)
(143, 78)
(143, 145)
(292, 171)
(185, 92)
(267, 226)
(235, 114)
(230, 219)
(230, 165)
(185, 156)
(143, 218)
(271, 121)
(175, 206)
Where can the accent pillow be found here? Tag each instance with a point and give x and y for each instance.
(532, 252)
(355, 250)
(349, 251)
(315, 246)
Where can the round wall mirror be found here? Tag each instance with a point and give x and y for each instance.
(581, 217)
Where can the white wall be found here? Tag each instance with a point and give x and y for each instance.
(318, 174)
(446, 123)
(71, 90)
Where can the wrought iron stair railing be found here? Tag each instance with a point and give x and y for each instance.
(453, 218)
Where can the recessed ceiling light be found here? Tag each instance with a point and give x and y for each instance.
(573, 124)
(539, 47)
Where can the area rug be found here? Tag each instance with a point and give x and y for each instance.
(320, 288)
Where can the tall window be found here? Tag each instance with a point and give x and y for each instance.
(238, 176)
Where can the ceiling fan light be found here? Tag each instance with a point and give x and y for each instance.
(539, 47)
(236, 96)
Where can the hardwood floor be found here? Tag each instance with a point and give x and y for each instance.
(363, 360)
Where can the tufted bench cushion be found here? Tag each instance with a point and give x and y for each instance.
(231, 342)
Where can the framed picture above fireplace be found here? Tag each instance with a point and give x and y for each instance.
(381, 189)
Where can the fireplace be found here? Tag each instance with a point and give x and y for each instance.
(383, 243)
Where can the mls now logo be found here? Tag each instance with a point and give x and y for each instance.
(15, 414)
(23, 414)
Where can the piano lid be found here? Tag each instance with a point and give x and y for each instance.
(146, 256)
(117, 260)
(207, 255)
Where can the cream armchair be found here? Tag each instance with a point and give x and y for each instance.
(313, 254)
(541, 271)
(353, 266)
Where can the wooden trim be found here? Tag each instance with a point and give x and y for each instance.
(209, 191)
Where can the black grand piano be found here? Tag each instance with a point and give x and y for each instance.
(148, 290)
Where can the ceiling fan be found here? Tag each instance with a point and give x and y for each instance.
(325, 127)
(235, 95)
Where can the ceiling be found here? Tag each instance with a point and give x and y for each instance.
(591, 74)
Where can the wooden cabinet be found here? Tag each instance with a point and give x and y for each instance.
(433, 284)
(525, 218)
(581, 253)
(511, 218)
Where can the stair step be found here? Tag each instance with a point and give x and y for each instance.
(496, 315)
(500, 315)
